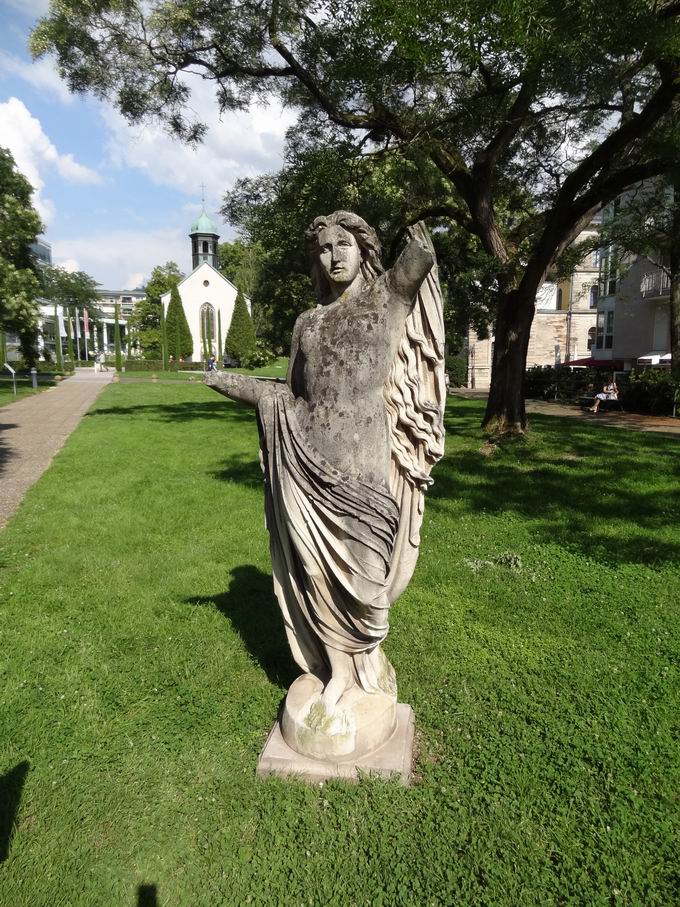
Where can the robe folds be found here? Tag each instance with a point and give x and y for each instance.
(332, 538)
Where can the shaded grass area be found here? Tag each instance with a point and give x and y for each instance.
(143, 660)
(24, 387)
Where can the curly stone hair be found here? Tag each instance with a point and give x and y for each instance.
(367, 240)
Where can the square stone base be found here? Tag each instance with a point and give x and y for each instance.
(392, 760)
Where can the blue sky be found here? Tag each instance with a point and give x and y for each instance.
(118, 200)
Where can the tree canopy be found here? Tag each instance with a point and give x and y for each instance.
(20, 285)
(559, 105)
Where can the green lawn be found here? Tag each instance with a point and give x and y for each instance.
(24, 387)
(143, 660)
(276, 369)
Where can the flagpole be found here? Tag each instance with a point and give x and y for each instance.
(77, 320)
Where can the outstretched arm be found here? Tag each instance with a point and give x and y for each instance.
(413, 265)
(243, 388)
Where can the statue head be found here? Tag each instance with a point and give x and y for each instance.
(342, 246)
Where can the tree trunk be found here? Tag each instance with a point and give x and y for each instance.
(505, 411)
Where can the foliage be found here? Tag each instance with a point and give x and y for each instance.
(19, 282)
(116, 340)
(558, 107)
(651, 390)
(259, 357)
(538, 644)
(164, 340)
(563, 383)
(241, 342)
(240, 262)
(180, 343)
(144, 325)
(456, 369)
(58, 352)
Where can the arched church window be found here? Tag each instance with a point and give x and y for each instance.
(205, 245)
(208, 322)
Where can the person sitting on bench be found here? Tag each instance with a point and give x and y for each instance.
(609, 392)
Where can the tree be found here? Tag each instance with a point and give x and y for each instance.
(59, 357)
(240, 262)
(273, 212)
(116, 340)
(19, 281)
(180, 341)
(241, 340)
(164, 340)
(560, 103)
(73, 291)
(144, 324)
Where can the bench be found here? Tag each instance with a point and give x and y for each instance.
(604, 404)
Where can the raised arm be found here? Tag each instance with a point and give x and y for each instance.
(413, 265)
(243, 388)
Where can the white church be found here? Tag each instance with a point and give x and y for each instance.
(207, 296)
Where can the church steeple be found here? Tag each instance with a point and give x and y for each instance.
(204, 237)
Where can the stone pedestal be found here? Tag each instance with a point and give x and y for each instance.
(359, 724)
(392, 759)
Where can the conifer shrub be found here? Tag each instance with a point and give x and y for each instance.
(180, 342)
(241, 342)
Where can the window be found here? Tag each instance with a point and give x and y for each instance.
(604, 335)
(205, 246)
(591, 338)
(558, 305)
(609, 331)
(206, 283)
(208, 323)
(596, 258)
(594, 296)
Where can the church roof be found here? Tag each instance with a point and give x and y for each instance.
(203, 224)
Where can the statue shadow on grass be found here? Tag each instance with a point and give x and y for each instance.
(11, 788)
(147, 896)
(250, 606)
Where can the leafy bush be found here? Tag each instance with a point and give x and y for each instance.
(564, 383)
(456, 369)
(259, 357)
(180, 341)
(650, 390)
(43, 368)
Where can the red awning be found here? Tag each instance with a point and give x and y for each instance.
(614, 365)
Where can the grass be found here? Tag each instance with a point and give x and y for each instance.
(24, 388)
(143, 660)
(276, 369)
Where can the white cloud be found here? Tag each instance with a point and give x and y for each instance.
(122, 259)
(237, 144)
(69, 264)
(33, 153)
(41, 75)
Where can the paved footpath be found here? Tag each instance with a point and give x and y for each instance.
(33, 429)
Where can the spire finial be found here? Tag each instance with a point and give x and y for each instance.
(203, 193)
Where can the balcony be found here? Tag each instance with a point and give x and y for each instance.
(656, 283)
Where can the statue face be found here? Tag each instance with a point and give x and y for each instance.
(339, 255)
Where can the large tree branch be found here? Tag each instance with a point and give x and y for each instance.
(434, 211)
(621, 138)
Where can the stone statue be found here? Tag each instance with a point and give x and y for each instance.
(347, 445)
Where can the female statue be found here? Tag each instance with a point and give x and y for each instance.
(347, 446)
